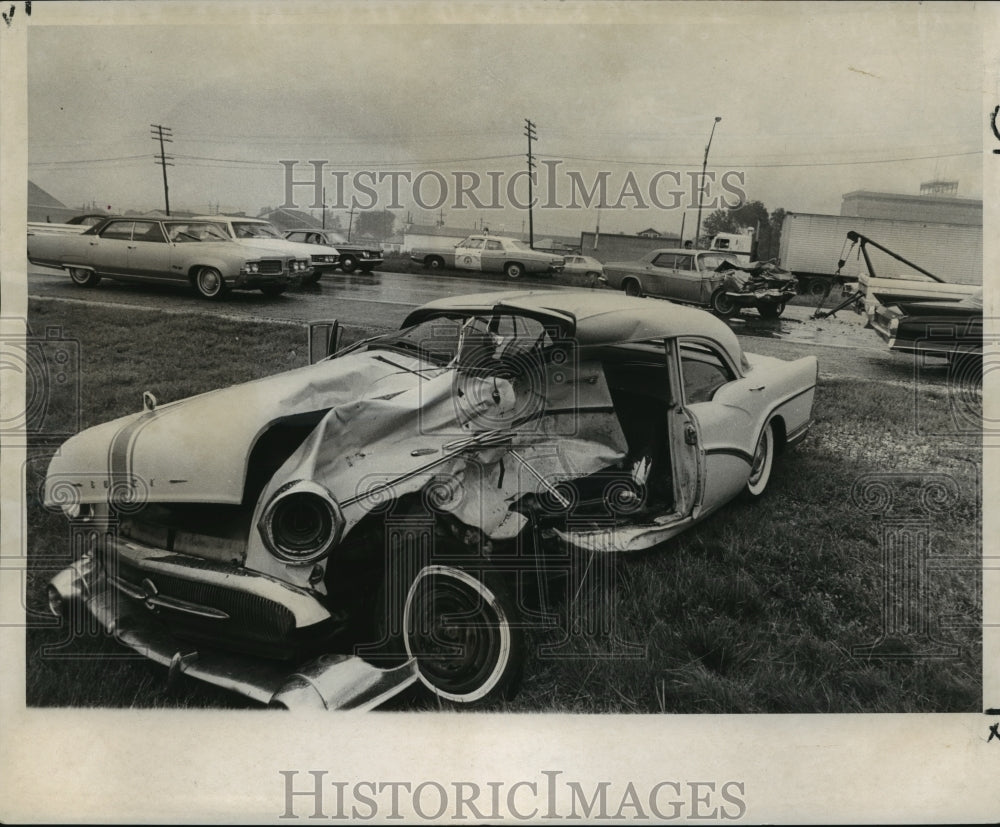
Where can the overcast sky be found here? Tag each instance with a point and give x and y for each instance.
(815, 101)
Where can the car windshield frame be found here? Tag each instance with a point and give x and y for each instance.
(270, 232)
(471, 332)
(172, 229)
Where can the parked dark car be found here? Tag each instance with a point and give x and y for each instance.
(353, 256)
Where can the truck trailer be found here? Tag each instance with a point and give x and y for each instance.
(812, 246)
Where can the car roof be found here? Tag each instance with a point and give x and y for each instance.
(597, 316)
(231, 218)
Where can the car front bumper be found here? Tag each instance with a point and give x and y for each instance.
(756, 298)
(254, 281)
(329, 681)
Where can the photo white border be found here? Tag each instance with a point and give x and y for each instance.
(126, 766)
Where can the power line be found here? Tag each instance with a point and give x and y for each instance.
(88, 160)
(636, 162)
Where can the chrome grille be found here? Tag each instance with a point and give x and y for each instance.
(271, 267)
(251, 616)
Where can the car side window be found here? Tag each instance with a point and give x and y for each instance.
(664, 260)
(148, 231)
(685, 262)
(703, 372)
(118, 229)
(494, 245)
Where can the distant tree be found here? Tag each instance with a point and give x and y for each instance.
(752, 215)
(332, 221)
(379, 224)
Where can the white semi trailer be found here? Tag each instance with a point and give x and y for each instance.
(812, 247)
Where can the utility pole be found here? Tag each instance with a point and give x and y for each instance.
(350, 223)
(323, 216)
(701, 189)
(163, 133)
(529, 130)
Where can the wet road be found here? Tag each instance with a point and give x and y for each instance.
(381, 300)
(375, 300)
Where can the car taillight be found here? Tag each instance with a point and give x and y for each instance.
(302, 523)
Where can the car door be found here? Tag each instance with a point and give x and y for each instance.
(469, 254)
(664, 449)
(149, 254)
(107, 252)
(656, 275)
(682, 281)
(726, 433)
(493, 256)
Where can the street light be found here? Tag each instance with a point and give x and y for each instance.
(701, 189)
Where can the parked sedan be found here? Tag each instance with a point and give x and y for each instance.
(323, 258)
(353, 257)
(177, 251)
(707, 278)
(489, 254)
(390, 515)
(583, 266)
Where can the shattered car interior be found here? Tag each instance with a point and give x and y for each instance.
(381, 519)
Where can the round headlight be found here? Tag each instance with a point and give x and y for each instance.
(302, 523)
(78, 511)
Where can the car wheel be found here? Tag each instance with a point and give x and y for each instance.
(273, 290)
(763, 460)
(722, 304)
(464, 632)
(348, 264)
(771, 311)
(633, 288)
(84, 278)
(434, 262)
(817, 287)
(592, 274)
(210, 284)
(312, 278)
(514, 270)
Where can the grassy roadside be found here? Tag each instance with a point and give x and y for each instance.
(756, 610)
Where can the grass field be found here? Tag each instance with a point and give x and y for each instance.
(758, 609)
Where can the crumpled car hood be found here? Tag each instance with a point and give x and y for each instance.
(757, 275)
(196, 449)
(386, 425)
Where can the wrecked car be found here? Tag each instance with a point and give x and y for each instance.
(704, 277)
(759, 284)
(330, 536)
(949, 329)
